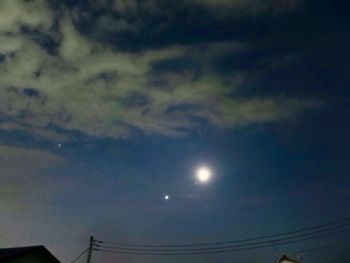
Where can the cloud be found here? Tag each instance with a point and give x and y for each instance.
(131, 8)
(106, 25)
(247, 7)
(136, 16)
(22, 173)
(98, 90)
(15, 14)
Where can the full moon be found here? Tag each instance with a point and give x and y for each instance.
(203, 174)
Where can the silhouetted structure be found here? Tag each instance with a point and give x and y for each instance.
(35, 254)
(285, 259)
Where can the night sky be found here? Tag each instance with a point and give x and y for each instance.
(107, 106)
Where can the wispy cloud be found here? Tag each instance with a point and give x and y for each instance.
(98, 90)
(247, 7)
(17, 13)
(236, 7)
(134, 15)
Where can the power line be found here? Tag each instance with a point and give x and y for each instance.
(209, 251)
(329, 245)
(347, 220)
(202, 252)
(327, 231)
(7, 238)
(295, 236)
(86, 250)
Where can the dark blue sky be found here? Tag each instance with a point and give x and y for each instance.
(106, 106)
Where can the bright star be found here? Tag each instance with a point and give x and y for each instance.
(166, 197)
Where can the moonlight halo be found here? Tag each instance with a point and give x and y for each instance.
(203, 174)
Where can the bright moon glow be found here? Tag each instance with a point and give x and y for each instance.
(166, 197)
(203, 174)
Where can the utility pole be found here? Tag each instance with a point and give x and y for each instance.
(90, 249)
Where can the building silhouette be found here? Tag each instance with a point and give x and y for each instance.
(34, 254)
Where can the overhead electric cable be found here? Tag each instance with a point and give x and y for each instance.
(329, 245)
(86, 250)
(210, 251)
(338, 222)
(7, 238)
(310, 234)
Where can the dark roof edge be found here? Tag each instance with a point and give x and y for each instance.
(23, 250)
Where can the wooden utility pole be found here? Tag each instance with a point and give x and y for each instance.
(90, 249)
